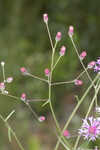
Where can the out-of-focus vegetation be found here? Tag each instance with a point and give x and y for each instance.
(24, 42)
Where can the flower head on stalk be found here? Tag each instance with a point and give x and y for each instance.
(90, 129)
(58, 36)
(97, 65)
(83, 55)
(45, 18)
(78, 82)
(71, 31)
(91, 64)
(62, 51)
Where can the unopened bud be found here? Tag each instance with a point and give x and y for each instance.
(62, 51)
(83, 55)
(71, 31)
(45, 18)
(58, 36)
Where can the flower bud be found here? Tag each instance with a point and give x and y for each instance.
(91, 64)
(62, 51)
(78, 82)
(2, 86)
(41, 118)
(47, 72)
(23, 96)
(66, 133)
(45, 18)
(9, 79)
(58, 36)
(83, 55)
(71, 31)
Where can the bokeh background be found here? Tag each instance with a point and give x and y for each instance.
(24, 42)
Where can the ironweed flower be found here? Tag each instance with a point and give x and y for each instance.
(45, 18)
(97, 65)
(71, 31)
(9, 79)
(62, 51)
(66, 134)
(58, 36)
(47, 72)
(23, 96)
(41, 118)
(23, 71)
(78, 82)
(90, 129)
(2, 86)
(83, 55)
(91, 64)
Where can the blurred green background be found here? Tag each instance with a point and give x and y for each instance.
(24, 42)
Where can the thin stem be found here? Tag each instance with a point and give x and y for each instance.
(36, 77)
(36, 100)
(33, 112)
(75, 109)
(87, 114)
(81, 60)
(3, 71)
(12, 131)
(10, 115)
(49, 36)
(65, 82)
(60, 83)
(56, 62)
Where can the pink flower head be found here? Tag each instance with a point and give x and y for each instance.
(45, 18)
(62, 51)
(91, 64)
(83, 55)
(23, 70)
(9, 79)
(23, 96)
(58, 36)
(71, 31)
(78, 82)
(47, 72)
(90, 129)
(2, 86)
(66, 133)
(42, 118)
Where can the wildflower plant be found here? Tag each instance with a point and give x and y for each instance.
(90, 127)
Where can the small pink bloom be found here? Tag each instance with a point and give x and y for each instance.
(66, 133)
(71, 31)
(83, 55)
(23, 70)
(9, 79)
(42, 118)
(91, 64)
(62, 50)
(78, 82)
(23, 96)
(45, 18)
(47, 72)
(58, 36)
(2, 86)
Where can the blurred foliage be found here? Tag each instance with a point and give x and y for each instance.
(24, 42)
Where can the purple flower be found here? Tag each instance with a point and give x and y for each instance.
(90, 129)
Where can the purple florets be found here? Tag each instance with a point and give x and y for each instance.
(90, 129)
(97, 65)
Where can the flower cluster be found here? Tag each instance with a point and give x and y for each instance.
(97, 65)
(90, 129)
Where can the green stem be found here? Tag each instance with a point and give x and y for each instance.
(75, 109)
(81, 61)
(87, 114)
(13, 133)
